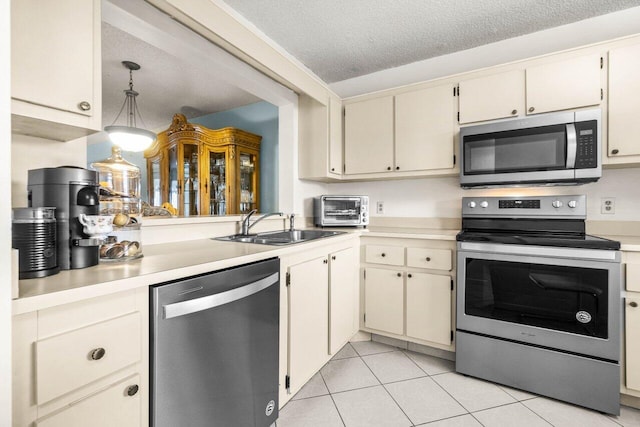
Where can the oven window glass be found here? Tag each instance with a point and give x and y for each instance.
(569, 299)
(341, 210)
(528, 150)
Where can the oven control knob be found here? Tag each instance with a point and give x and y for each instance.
(556, 204)
(572, 204)
(471, 204)
(484, 204)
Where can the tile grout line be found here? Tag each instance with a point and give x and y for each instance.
(331, 395)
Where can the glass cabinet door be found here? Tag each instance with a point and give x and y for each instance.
(154, 181)
(174, 187)
(217, 183)
(248, 198)
(191, 183)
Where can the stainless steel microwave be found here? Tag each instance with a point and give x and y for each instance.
(339, 211)
(547, 149)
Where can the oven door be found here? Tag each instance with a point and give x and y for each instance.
(560, 298)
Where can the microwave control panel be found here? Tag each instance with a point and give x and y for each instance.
(587, 150)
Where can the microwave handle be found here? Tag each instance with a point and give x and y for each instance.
(572, 145)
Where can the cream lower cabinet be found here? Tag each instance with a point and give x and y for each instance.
(632, 324)
(408, 290)
(83, 363)
(319, 310)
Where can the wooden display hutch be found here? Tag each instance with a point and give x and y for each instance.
(203, 171)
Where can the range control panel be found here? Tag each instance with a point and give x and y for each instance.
(525, 207)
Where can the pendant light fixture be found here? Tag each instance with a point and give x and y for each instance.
(130, 137)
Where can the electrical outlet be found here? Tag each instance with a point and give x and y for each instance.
(380, 208)
(608, 205)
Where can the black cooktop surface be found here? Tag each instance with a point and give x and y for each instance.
(569, 240)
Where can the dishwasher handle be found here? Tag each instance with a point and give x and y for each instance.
(204, 303)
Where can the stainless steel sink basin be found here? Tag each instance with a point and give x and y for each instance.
(280, 238)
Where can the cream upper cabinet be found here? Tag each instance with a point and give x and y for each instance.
(368, 136)
(320, 138)
(384, 300)
(343, 301)
(425, 129)
(56, 68)
(308, 319)
(427, 317)
(565, 84)
(495, 96)
(624, 102)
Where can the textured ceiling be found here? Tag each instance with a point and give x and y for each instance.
(165, 85)
(342, 39)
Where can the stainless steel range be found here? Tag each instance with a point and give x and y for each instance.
(538, 302)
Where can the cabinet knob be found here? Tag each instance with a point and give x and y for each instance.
(531, 109)
(615, 151)
(514, 112)
(333, 169)
(84, 106)
(325, 261)
(428, 259)
(397, 168)
(388, 168)
(333, 257)
(132, 390)
(97, 353)
(633, 304)
(399, 274)
(383, 255)
(409, 275)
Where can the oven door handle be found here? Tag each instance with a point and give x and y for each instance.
(572, 146)
(559, 284)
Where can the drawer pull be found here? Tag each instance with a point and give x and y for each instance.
(97, 353)
(399, 274)
(383, 255)
(132, 390)
(633, 304)
(428, 259)
(531, 109)
(325, 261)
(409, 275)
(514, 112)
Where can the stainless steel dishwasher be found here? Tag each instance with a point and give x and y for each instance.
(214, 348)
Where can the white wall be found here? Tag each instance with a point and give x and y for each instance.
(34, 153)
(441, 197)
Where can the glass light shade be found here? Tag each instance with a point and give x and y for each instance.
(129, 138)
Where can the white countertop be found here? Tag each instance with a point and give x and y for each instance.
(412, 233)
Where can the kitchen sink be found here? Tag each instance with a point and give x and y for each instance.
(280, 238)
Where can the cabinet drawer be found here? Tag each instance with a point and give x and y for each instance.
(64, 362)
(436, 259)
(633, 277)
(118, 405)
(388, 255)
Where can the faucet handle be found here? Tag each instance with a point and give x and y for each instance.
(291, 221)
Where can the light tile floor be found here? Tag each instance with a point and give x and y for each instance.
(371, 384)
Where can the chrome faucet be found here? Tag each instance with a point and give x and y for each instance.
(291, 222)
(246, 225)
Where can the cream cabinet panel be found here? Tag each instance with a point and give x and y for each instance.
(343, 297)
(424, 129)
(436, 259)
(56, 68)
(492, 97)
(368, 140)
(429, 307)
(562, 85)
(624, 101)
(632, 339)
(118, 405)
(308, 319)
(384, 300)
(335, 136)
(387, 255)
(633, 277)
(73, 359)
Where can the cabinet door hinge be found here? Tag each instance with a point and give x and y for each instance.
(451, 284)
(454, 91)
(344, 168)
(288, 279)
(458, 116)
(365, 273)
(601, 62)
(287, 382)
(451, 336)
(601, 94)
(454, 160)
(364, 318)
